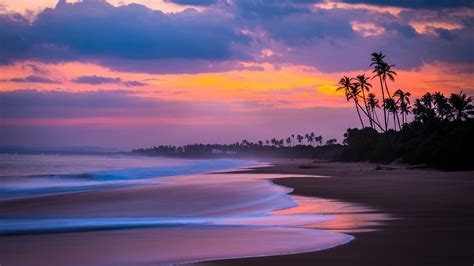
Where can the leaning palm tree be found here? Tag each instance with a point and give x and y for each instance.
(404, 102)
(364, 85)
(352, 92)
(461, 105)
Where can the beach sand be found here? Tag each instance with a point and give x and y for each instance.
(436, 211)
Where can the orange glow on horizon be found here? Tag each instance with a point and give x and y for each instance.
(291, 86)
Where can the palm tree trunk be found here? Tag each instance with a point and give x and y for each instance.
(398, 121)
(367, 108)
(383, 101)
(381, 128)
(358, 113)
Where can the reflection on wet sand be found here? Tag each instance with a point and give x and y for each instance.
(345, 217)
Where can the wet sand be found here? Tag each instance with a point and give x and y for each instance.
(436, 211)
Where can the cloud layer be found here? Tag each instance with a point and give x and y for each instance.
(136, 38)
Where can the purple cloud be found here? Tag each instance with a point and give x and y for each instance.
(95, 80)
(33, 79)
(193, 2)
(135, 38)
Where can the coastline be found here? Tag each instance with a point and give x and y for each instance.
(434, 207)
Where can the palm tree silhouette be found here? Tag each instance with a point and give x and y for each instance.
(442, 106)
(404, 102)
(364, 85)
(373, 103)
(462, 106)
(392, 107)
(299, 138)
(383, 70)
(377, 63)
(352, 92)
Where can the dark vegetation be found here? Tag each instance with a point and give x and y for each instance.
(441, 133)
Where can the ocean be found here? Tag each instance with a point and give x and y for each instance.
(134, 209)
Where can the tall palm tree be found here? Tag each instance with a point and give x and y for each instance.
(462, 106)
(352, 92)
(377, 63)
(288, 141)
(404, 102)
(387, 72)
(364, 85)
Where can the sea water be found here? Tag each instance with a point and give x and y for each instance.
(127, 209)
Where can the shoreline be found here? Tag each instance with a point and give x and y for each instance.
(434, 210)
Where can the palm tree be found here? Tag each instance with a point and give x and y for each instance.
(373, 103)
(299, 138)
(386, 71)
(288, 141)
(319, 139)
(293, 139)
(405, 110)
(352, 92)
(377, 63)
(423, 108)
(442, 106)
(404, 102)
(392, 107)
(364, 85)
(306, 136)
(462, 106)
(312, 137)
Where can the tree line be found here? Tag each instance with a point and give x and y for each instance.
(436, 130)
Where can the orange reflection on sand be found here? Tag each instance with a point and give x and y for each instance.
(347, 217)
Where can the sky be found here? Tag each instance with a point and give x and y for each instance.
(137, 73)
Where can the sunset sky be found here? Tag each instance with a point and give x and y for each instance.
(134, 73)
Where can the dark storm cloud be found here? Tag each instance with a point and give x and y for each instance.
(96, 29)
